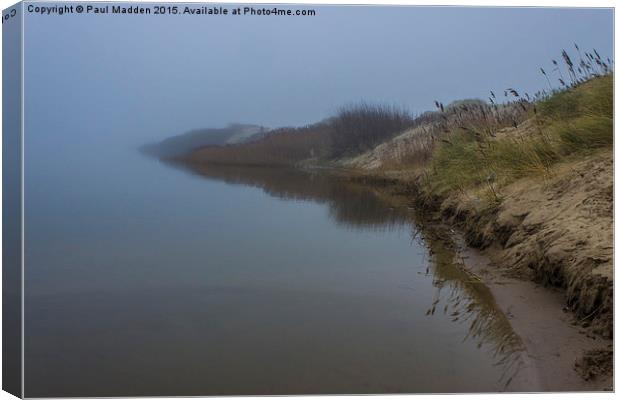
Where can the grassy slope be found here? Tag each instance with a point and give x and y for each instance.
(570, 124)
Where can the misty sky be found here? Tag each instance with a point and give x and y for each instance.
(135, 79)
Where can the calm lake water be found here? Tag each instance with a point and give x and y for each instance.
(147, 279)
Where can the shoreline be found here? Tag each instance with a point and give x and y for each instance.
(553, 343)
(568, 347)
(499, 229)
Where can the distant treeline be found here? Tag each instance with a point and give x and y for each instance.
(353, 130)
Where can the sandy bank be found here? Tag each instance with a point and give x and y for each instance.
(549, 252)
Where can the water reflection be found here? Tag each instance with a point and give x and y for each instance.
(350, 204)
(459, 294)
(463, 297)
